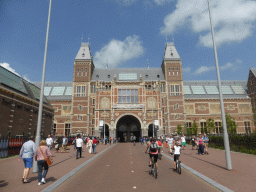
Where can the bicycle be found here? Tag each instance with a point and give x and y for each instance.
(153, 169)
(178, 166)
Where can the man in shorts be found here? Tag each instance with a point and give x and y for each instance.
(64, 144)
(170, 143)
(183, 141)
(27, 153)
(153, 152)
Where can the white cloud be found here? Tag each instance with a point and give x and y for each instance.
(9, 68)
(161, 2)
(227, 66)
(232, 19)
(203, 69)
(117, 52)
(186, 70)
(231, 66)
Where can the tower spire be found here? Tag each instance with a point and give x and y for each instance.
(148, 63)
(107, 64)
(82, 39)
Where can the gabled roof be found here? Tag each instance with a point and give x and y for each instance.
(210, 89)
(16, 83)
(254, 72)
(128, 74)
(84, 52)
(171, 52)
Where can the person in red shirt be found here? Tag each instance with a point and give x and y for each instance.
(94, 144)
(159, 143)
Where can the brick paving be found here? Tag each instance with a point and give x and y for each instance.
(112, 171)
(241, 178)
(11, 170)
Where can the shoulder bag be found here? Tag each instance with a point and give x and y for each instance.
(48, 161)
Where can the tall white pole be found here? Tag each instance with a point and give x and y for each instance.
(39, 124)
(225, 133)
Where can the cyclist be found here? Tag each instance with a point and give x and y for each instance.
(153, 152)
(176, 149)
(134, 139)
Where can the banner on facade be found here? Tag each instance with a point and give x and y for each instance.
(156, 122)
(101, 123)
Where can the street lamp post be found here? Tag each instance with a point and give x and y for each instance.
(39, 124)
(225, 134)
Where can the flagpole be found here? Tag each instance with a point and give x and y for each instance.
(39, 124)
(225, 133)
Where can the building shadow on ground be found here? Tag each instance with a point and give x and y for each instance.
(3, 183)
(206, 161)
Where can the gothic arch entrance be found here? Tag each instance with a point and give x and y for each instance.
(126, 127)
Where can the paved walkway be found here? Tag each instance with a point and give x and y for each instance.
(241, 178)
(11, 170)
(124, 167)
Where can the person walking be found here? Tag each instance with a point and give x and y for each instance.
(49, 142)
(201, 145)
(28, 150)
(79, 146)
(57, 144)
(193, 142)
(206, 140)
(105, 140)
(90, 145)
(183, 141)
(74, 142)
(110, 140)
(170, 143)
(42, 152)
(64, 144)
(94, 145)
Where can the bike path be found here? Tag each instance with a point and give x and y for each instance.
(124, 167)
(241, 178)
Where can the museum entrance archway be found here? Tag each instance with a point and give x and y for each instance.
(127, 127)
(150, 131)
(106, 131)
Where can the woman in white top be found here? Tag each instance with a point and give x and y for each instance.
(176, 149)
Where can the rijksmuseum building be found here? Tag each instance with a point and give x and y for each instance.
(138, 101)
(131, 101)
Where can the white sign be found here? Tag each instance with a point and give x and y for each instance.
(101, 123)
(157, 122)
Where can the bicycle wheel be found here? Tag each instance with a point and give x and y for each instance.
(179, 168)
(155, 171)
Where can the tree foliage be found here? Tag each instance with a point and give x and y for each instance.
(194, 128)
(210, 125)
(231, 124)
(179, 129)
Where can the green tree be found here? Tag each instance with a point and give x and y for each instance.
(210, 125)
(231, 124)
(188, 130)
(194, 128)
(179, 129)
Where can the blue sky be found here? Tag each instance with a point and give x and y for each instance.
(127, 33)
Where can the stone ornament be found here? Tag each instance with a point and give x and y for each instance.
(104, 103)
(201, 107)
(116, 114)
(215, 108)
(151, 103)
(244, 108)
(189, 109)
(231, 107)
(150, 114)
(105, 114)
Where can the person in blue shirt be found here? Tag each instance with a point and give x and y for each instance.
(206, 140)
(27, 153)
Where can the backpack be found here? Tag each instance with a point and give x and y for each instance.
(153, 147)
